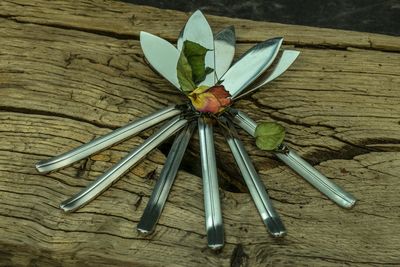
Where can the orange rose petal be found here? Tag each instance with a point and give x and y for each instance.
(219, 91)
(206, 102)
(221, 94)
(212, 99)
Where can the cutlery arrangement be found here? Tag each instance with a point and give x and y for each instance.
(257, 67)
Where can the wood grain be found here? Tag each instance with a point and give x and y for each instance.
(72, 71)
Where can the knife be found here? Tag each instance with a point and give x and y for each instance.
(161, 55)
(250, 66)
(256, 188)
(105, 180)
(199, 31)
(284, 62)
(212, 206)
(224, 45)
(299, 165)
(107, 140)
(163, 186)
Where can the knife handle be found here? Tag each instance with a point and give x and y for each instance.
(105, 180)
(299, 165)
(256, 188)
(316, 178)
(212, 206)
(107, 140)
(163, 186)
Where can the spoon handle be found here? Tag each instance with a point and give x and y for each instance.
(163, 186)
(257, 190)
(105, 180)
(107, 140)
(316, 178)
(299, 165)
(212, 206)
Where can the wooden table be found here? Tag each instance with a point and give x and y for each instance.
(74, 70)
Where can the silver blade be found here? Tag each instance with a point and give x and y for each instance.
(224, 45)
(179, 42)
(161, 55)
(285, 61)
(250, 66)
(212, 206)
(161, 190)
(257, 189)
(199, 31)
(107, 140)
(105, 180)
(303, 168)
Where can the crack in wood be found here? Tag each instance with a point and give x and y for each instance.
(345, 261)
(239, 258)
(105, 33)
(53, 114)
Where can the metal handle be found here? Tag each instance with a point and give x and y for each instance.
(105, 180)
(163, 186)
(317, 179)
(107, 140)
(257, 189)
(212, 206)
(303, 168)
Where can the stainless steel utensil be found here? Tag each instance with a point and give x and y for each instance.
(163, 186)
(304, 169)
(224, 45)
(256, 188)
(161, 55)
(199, 31)
(250, 66)
(107, 140)
(212, 206)
(284, 62)
(105, 180)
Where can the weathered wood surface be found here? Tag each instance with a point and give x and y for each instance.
(70, 71)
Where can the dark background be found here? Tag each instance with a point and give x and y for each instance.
(378, 16)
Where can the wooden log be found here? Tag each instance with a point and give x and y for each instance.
(72, 71)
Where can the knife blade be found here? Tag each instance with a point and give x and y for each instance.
(224, 45)
(163, 186)
(285, 61)
(199, 31)
(161, 55)
(212, 206)
(250, 66)
(108, 178)
(299, 165)
(107, 140)
(256, 188)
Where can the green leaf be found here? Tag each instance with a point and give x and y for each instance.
(184, 71)
(269, 135)
(195, 54)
